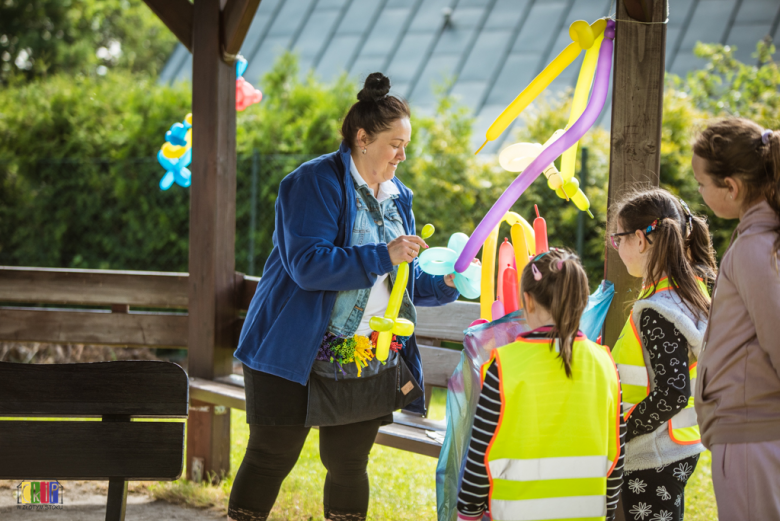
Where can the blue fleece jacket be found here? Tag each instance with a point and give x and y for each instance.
(311, 262)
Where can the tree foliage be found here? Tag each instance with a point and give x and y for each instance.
(40, 38)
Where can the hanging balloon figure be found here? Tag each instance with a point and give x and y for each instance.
(175, 155)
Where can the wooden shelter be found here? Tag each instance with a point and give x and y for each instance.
(213, 293)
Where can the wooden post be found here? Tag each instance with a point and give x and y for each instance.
(212, 295)
(637, 109)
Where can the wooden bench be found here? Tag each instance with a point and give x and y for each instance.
(115, 449)
(409, 432)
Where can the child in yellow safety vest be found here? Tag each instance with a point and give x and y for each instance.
(547, 436)
(663, 243)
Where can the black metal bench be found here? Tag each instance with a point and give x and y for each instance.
(115, 449)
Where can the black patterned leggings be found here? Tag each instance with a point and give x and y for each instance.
(657, 494)
(272, 452)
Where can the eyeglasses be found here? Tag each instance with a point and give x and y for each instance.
(614, 238)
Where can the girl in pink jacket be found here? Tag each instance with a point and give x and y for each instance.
(737, 166)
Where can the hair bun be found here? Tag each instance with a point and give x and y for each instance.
(376, 87)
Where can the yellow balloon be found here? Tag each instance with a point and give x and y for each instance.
(173, 151)
(543, 80)
(188, 138)
(575, 194)
(188, 118)
(579, 102)
(400, 326)
(487, 283)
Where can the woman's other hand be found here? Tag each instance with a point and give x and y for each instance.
(450, 279)
(405, 248)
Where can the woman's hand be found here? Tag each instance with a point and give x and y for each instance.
(450, 279)
(405, 248)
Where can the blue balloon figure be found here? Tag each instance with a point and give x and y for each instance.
(176, 170)
(241, 65)
(177, 134)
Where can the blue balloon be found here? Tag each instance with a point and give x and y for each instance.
(177, 134)
(441, 261)
(176, 170)
(241, 65)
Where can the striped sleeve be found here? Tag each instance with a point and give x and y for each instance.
(615, 479)
(474, 489)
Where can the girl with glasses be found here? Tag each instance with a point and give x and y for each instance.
(663, 243)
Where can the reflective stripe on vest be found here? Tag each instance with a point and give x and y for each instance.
(537, 471)
(569, 508)
(635, 381)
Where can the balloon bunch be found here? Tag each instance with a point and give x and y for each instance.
(519, 156)
(246, 94)
(175, 155)
(584, 36)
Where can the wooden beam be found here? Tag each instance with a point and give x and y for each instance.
(212, 295)
(639, 10)
(237, 16)
(177, 16)
(635, 158)
(93, 287)
(93, 327)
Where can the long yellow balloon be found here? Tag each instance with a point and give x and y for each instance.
(522, 252)
(584, 36)
(390, 324)
(579, 102)
(488, 295)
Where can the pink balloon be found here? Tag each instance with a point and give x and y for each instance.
(246, 94)
(506, 259)
(548, 155)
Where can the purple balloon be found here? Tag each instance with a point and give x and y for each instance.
(548, 155)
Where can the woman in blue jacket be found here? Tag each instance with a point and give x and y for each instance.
(344, 223)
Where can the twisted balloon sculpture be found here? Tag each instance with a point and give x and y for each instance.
(555, 149)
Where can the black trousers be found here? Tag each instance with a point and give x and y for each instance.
(657, 494)
(272, 452)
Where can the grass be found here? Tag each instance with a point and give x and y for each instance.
(403, 485)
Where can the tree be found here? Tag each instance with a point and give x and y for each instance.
(81, 37)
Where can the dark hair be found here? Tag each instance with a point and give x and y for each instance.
(735, 147)
(375, 110)
(682, 247)
(563, 290)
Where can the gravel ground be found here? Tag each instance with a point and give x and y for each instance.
(86, 501)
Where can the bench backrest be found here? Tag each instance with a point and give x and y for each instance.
(115, 447)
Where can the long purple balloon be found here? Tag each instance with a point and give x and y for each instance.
(548, 155)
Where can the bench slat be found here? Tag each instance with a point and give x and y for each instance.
(218, 393)
(446, 322)
(407, 438)
(93, 327)
(438, 364)
(93, 287)
(144, 451)
(136, 388)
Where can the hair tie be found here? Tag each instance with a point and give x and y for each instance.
(560, 265)
(537, 273)
(766, 135)
(687, 212)
(653, 225)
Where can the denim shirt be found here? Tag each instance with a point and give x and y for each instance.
(375, 223)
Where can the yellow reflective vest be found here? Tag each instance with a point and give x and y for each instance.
(635, 380)
(557, 438)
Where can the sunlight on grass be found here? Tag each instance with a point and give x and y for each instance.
(403, 485)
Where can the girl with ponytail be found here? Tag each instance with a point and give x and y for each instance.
(663, 243)
(737, 165)
(549, 409)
